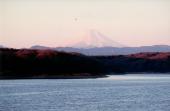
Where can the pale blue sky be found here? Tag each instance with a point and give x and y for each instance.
(24, 23)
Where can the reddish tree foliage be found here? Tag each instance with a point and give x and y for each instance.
(28, 63)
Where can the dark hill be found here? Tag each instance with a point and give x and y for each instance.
(26, 63)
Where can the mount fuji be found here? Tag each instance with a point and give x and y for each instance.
(95, 39)
(95, 43)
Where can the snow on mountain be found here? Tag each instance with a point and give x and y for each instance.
(96, 39)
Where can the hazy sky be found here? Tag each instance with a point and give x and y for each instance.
(24, 23)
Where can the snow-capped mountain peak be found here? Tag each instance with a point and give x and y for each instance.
(96, 39)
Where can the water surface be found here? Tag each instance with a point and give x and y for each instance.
(115, 93)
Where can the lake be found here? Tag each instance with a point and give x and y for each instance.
(114, 93)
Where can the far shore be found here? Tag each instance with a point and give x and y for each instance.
(77, 76)
(64, 76)
(50, 64)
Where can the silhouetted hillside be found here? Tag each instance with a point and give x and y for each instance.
(140, 62)
(25, 63)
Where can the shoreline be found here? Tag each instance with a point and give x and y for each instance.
(87, 76)
(54, 77)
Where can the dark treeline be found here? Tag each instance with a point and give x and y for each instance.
(29, 63)
(21, 63)
(141, 62)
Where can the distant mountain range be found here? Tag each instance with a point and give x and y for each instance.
(96, 43)
(1, 46)
(109, 50)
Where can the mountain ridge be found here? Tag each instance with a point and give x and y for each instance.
(109, 50)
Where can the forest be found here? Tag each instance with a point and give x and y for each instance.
(28, 63)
